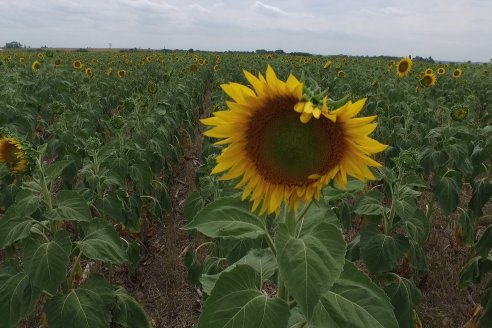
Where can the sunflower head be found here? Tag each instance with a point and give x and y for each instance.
(429, 71)
(328, 64)
(14, 153)
(216, 68)
(57, 62)
(281, 157)
(441, 71)
(22, 60)
(89, 72)
(341, 74)
(36, 66)
(428, 80)
(40, 55)
(77, 64)
(109, 71)
(404, 67)
(459, 113)
(57, 107)
(152, 88)
(457, 73)
(121, 73)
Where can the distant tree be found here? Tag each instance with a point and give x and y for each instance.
(279, 51)
(261, 51)
(13, 45)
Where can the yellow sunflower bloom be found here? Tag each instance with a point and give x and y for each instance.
(429, 71)
(404, 67)
(428, 80)
(77, 64)
(22, 60)
(441, 71)
(328, 64)
(36, 66)
(341, 74)
(13, 155)
(121, 73)
(281, 159)
(457, 73)
(89, 72)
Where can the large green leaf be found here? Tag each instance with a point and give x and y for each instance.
(484, 244)
(55, 169)
(128, 313)
(14, 228)
(371, 204)
(447, 191)
(417, 226)
(354, 301)
(80, 308)
(46, 264)
(26, 203)
(17, 296)
(228, 217)
(482, 191)
(70, 206)
(310, 264)
(261, 260)
(380, 252)
(236, 302)
(474, 270)
(102, 242)
(404, 296)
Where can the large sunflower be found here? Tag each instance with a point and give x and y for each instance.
(428, 80)
(404, 67)
(280, 158)
(13, 155)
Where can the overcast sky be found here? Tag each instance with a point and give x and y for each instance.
(444, 29)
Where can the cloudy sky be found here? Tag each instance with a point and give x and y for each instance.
(444, 29)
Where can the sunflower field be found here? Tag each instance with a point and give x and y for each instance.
(210, 190)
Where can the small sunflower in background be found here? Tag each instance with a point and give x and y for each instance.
(404, 67)
(441, 71)
(57, 62)
(109, 71)
(77, 64)
(328, 64)
(279, 158)
(22, 60)
(429, 71)
(459, 113)
(216, 68)
(13, 154)
(89, 72)
(40, 55)
(457, 73)
(341, 74)
(428, 80)
(121, 73)
(36, 66)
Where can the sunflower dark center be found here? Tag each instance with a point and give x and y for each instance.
(403, 67)
(286, 151)
(10, 154)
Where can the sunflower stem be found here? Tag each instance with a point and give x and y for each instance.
(291, 221)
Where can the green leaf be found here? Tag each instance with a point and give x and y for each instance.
(228, 217)
(133, 254)
(482, 191)
(446, 191)
(416, 256)
(474, 270)
(417, 226)
(319, 212)
(101, 242)
(17, 296)
(80, 308)
(380, 252)
(14, 228)
(353, 249)
(46, 264)
(486, 300)
(405, 207)
(70, 206)
(354, 301)
(128, 313)
(370, 204)
(235, 302)
(404, 296)
(261, 260)
(103, 288)
(192, 205)
(56, 169)
(26, 203)
(310, 264)
(141, 175)
(484, 244)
